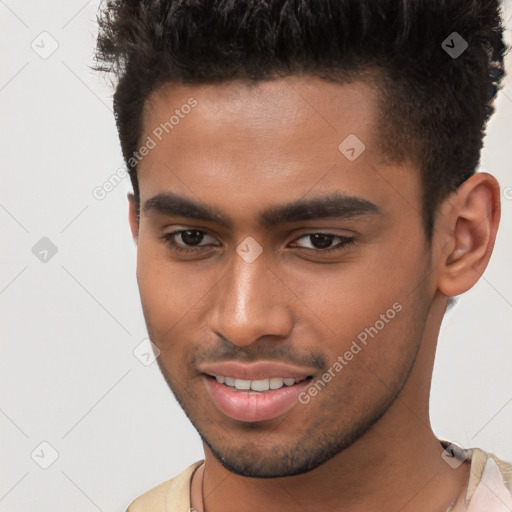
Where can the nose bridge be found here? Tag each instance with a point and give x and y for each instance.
(248, 304)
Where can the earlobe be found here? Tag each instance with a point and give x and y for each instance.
(133, 216)
(472, 222)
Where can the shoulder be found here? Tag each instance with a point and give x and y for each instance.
(490, 480)
(489, 487)
(483, 461)
(175, 492)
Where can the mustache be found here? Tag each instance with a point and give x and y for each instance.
(226, 351)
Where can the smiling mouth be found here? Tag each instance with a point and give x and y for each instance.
(254, 400)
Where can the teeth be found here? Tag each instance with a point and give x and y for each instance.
(260, 385)
(276, 383)
(242, 384)
(256, 385)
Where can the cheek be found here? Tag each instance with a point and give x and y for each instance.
(372, 303)
(164, 290)
(348, 298)
(171, 295)
(371, 356)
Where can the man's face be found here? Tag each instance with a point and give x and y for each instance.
(279, 296)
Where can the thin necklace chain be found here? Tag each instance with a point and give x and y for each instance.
(451, 505)
(202, 492)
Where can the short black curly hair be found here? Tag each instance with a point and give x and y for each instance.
(434, 104)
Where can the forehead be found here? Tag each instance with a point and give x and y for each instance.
(238, 144)
(273, 105)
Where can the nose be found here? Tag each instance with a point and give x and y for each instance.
(250, 302)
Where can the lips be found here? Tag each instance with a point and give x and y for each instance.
(247, 404)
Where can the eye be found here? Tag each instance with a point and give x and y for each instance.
(322, 242)
(190, 240)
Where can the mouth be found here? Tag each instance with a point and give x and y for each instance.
(253, 400)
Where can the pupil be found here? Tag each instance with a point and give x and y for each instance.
(321, 241)
(191, 240)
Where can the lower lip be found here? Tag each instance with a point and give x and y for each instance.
(251, 406)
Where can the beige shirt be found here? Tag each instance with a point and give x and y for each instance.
(489, 487)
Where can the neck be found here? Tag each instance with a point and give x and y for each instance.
(396, 465)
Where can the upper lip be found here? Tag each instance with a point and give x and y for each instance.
(255, 371)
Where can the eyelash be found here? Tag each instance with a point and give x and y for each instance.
(346, 242)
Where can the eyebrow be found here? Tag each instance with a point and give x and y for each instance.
(334, 205)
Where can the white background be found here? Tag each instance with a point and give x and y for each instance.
(69, 326)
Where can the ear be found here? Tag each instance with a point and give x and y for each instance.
(469, 222)
(133, 216)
